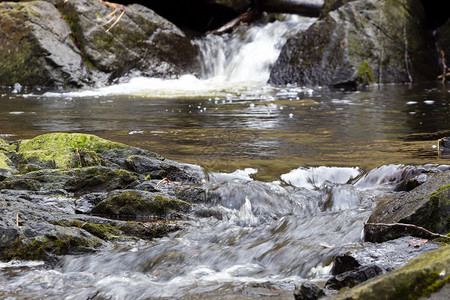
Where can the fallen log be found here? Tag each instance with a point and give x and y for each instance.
(309, 8)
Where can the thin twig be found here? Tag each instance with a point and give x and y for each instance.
(164, 180)
(411, 226)
(17, 223)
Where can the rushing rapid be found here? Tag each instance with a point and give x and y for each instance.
(247, 238)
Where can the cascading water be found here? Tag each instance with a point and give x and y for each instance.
(231, 64)
(247, 54)
(261, 240)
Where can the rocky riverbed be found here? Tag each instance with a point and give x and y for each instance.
(65, 194)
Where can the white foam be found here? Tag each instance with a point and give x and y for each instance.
(311, 178)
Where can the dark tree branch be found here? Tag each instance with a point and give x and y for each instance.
(425, 233)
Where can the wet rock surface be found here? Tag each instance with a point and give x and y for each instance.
(72, 193)
(360, 264)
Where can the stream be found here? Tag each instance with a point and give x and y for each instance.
(292, 172)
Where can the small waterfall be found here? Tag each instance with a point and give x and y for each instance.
(247, 54)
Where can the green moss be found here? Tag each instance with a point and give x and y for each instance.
(365, 74)
(4, 162)
(64, 150)
(21, 57)
(442, 188)
(102, 231)
(5, 146)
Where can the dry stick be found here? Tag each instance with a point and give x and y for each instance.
(164, 180)
(407, 226)
(17, 223)
(444, 68)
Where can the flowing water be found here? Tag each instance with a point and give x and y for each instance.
(292, 172)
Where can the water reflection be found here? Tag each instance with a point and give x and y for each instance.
(271, 129)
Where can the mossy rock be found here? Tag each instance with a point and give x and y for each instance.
(64, 150)
(5, 146)
(140, 204)
(48, 246)
(105, 232)
(119, 231)
(358, 44)
(5, 162)
(98, 179)
(149, 230)
(421, 277)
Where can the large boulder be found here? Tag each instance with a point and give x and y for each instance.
(427, 206)
(68, 44)
(362, 42)
(36, 47)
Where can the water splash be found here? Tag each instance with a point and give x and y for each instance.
(248, 54)
(231, 66)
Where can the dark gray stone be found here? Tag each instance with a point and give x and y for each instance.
(362, 42)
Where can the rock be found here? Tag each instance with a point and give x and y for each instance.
(37, 48)
(362, 42)
(42, 226)
(142, 42)
(46, 46)
(330, 5)
(359, 264)
(427, 206)
(354, 277)
(308, 291)
(159, 169)
(134, 204)
(444, 145)
(388, 255)
(423, 276)
(344, 263)
(54, 181)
